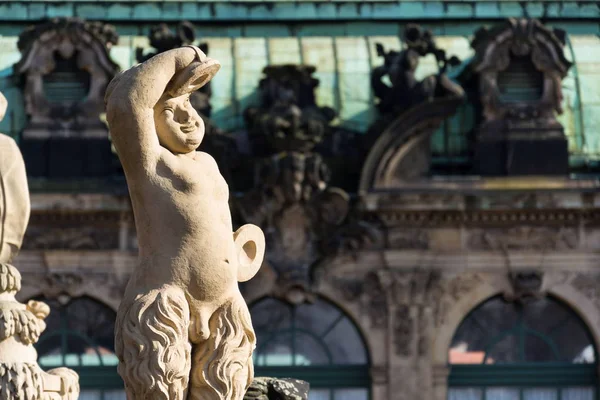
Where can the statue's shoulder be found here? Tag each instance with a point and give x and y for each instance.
(206, 159)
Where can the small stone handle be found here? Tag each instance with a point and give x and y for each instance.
(250, 246)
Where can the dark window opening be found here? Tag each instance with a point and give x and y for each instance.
(66, 84)
(521, 82)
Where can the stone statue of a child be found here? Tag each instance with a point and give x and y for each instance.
(183, 330)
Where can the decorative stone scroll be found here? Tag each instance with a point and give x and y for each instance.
(65, 67)
(183, 329)
(21, 324)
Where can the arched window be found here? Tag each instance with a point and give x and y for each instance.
(314, 342)
(80, 335)
(536, 350)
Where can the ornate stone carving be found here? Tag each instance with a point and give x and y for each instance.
(495, 49)
(415, 294)
(411, 111)
(589, 285)
(408, 238)
(370, 291)
(533, 238)
(20, 327)
(65, 67)
(288, 119)
(399, 68)
(526, 286)
(292, 200)
(451, 290)
(277, 389)
(403, 330)
(524, 53)
(488, 218)
(183, 329)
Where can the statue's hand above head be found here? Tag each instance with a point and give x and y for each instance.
(194, 76)
(249, 243)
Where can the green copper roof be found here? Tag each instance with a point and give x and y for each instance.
(285, 10)
(343, 67)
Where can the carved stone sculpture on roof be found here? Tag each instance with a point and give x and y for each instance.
(291, 200)
(400, 67)
(65, 68)
(398, 142)
(21, 324)
(520, 65)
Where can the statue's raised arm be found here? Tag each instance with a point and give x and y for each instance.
(137, 95)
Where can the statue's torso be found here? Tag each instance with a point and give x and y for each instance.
(184, 227)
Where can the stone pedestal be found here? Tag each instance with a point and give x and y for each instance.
(510, 149)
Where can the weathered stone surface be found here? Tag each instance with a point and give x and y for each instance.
(277, 389)
(185, 288)
(21, 324)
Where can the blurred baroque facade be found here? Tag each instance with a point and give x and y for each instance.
(404, 185)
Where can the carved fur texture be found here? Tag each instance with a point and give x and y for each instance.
(21, 381)
(10, 279)
(222, 367)
(151, 341)
(22, 323)
(155, 354)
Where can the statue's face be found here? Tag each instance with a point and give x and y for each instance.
(179, 127)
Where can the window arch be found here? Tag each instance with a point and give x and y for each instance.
(534, 350)
(80, 335)
(314, 342)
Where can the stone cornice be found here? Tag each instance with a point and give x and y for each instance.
(455, 218)
(414, 218)
(481, 261)
(72, 260)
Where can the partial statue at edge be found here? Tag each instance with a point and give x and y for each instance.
(21, 324)
(183, 329)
